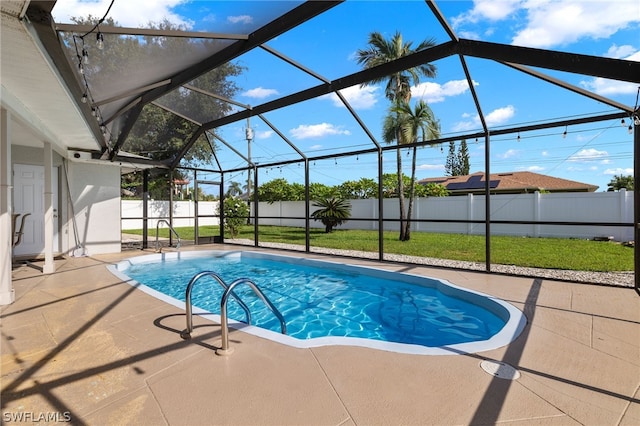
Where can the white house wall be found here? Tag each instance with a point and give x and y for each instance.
(95, 194)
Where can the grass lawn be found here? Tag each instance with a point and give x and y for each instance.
(556, 253)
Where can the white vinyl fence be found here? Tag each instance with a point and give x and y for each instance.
(588, 207)
(594, 207)
(183, 213)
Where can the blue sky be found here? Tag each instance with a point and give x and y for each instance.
(327, 45)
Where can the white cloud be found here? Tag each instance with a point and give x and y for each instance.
(589, 154)
(487, 9)
(306, 131)
(125, 13)
(545, 153)
(500, 116)
(240, 19)
(510, 153)
(619, 171)
(430, 167)
(621, 52)
(603, 86)
(494, 118)
(315, 147)
(435, 92)
(259, 93)
(358, 97)
(534, 169)
(560, 23)
(263, 134)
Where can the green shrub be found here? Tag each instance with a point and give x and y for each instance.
(236, 212)
(333, 212)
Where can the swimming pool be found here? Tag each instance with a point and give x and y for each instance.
(326, 303)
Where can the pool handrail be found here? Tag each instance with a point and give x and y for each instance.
(189, 307)
(158, 248)
(224, 326)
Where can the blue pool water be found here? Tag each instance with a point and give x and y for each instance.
(321, 299)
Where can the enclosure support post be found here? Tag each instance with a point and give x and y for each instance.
(487, 202)
(636, 204)
(255, 207)
(145, 208)
(380, 208)
(221, 208)
(307, 211)
(171, 206)
(195, 206)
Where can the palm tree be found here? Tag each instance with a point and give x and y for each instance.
(333, 212)
(234, 189)
(414, 124)
(398, 89)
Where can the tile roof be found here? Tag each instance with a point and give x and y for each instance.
(512, 182)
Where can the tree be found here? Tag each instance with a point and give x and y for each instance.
(417, 123)
(432, 190)
(450, 166)
(234, 189)
(463, 158)
(275, 190)
(333, 212)
(398, 88)
(620, 181)
(358, 189)
(457, 163)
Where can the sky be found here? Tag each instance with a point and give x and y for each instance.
(328, 45)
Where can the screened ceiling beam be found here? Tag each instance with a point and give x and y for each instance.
(149, 32)
(279, 133)
(174, 112)
(131, 92)
(213, 95)
(615, 69)
(228, 145)
(294, 63)
(570, 87)
(418, 58)
(278, 26)
(440, 17)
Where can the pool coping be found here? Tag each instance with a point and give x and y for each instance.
(515, 319)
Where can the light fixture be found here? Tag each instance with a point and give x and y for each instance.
(636, 119)
(80, 68)
(94, 111)
(100, 40)
(84, 98)
(85, 56)
(518, 139)
(622, 123)
(564, 134)
(630, 129)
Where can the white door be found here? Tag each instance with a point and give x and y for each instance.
(28, 197)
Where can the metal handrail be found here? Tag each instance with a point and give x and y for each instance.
(224, 328)
(189, 307)
(158, 248)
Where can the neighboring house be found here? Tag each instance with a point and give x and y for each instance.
(508, 183)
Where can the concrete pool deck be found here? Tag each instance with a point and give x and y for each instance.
(82, 344)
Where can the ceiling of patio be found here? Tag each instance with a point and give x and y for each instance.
(155, 73)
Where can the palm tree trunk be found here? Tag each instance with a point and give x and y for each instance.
(412, 191)
(403, 223)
